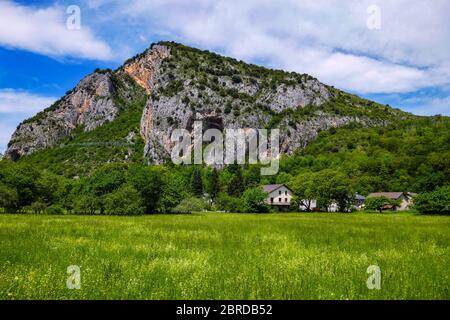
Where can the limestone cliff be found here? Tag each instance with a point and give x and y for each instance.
(186, 85)
(89, 105)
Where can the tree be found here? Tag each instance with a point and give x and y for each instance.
(9, 199)
(377, 203)
(326, 186)
(86, 204)
(197, 183)
(23, 179)
(174, 191)
(333, 185)
(48, 187)
(283, 178)
(213, 184)
(304, 190)
(124, 201)
(252, 176)
(429, 178)
(106, 180)
(236, 185)
(149, 183)
(225, 177)
(342, 192)
(437, 201)
(38, 207)
(254, 201)
(228, 203)
(68, 192)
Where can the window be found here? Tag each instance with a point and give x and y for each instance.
(271, 200)
(285, 193)
(279, 199)
(285, 200)
(279, 192)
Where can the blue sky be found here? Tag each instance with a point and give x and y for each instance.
(403, 61)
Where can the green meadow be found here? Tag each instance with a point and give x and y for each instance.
(225, 256)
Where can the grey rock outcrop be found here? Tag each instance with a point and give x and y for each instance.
(89, 105)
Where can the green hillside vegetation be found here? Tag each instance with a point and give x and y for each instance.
(411, 155)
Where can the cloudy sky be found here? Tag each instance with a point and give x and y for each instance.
(395, 52)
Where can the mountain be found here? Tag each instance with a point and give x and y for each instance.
(127, 115)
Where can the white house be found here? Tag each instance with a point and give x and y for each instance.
(278, 195)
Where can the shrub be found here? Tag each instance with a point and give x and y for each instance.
(54, 209)
(236, 78)
(190, 205)
(228, 108)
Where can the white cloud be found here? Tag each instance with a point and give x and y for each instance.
(23, 103)
(326, 38)
(44, 31)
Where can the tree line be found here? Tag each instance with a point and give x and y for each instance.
(123, 189)
(130, 189)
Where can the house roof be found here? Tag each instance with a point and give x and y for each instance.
(389, 195)
(359, 197)
(272, 187)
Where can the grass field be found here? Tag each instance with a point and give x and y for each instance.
(225, 256)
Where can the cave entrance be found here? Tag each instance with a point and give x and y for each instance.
(209, 122)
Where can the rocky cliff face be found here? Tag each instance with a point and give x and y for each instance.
(89, 105)
(189, 86)
(230, 99)
(186, 85)
(146, 68)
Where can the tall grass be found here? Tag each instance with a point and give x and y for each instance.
(225, 256)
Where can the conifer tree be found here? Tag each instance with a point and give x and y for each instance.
(197, 183)
(214, 187)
